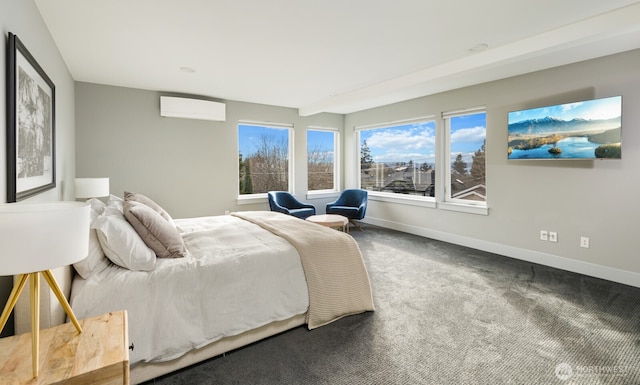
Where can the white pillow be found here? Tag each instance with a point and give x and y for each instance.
(121, 243)
(115, 202)
(97, 206)
(96, 261)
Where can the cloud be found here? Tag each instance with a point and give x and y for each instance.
(401, 144)
(570, 106)
(413, 139)
(417, 158)
(466, 135)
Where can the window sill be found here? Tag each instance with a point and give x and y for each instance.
(429, 202)
(322, 194)
(251, 199)
(403, 199)
(464, 208)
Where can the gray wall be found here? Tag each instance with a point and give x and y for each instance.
(190, 167)
(23, 19)
(597, 199)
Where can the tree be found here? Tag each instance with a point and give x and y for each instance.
(246, 185)
(319, 168)
(478, 166)
(241, 172)
(366, 161)
(459, 166)
(268, 165)
(425, 167)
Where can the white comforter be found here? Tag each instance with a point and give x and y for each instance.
(236, 276)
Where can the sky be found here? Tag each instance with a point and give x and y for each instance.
(605, 108)
(322, 139)
(468, 133)
(249, 135)
(417, 141)
(401, 143)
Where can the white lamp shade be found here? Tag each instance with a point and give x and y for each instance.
(92, 187)
(41, 236)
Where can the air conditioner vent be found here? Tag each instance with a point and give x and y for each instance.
(186, 108)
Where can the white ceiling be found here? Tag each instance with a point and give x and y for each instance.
(336, 56)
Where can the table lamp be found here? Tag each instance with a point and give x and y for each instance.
(92, 187)
(35, 238)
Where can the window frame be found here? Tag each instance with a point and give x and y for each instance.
(391, 197)
(337, 165)
(244, 199)
(443, 189)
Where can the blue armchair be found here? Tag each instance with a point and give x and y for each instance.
(352, 203)
(283, 202)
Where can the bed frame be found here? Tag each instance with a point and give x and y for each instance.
(52, 313)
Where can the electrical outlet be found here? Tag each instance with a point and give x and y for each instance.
(553, 236)
(544, 235)
(584, 242)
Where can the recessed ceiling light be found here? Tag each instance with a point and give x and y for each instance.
(479, 48)
(187, 69)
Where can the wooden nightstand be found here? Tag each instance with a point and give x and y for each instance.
(98, 355)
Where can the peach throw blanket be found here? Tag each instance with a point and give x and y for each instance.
(337, 278)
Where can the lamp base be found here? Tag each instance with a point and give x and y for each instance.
(35, 308)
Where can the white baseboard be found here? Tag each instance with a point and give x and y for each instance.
(587, 268)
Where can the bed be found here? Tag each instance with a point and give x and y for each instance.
(226, 282)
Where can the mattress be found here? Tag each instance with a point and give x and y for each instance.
(236, 277)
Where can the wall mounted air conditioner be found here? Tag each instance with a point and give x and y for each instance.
(174, 107)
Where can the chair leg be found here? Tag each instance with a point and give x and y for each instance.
(355, 224)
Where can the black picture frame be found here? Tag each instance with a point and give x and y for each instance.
(31, 102)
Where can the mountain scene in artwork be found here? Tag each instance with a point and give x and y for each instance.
(585, 130)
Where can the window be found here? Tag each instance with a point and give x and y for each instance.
(466, 138)
(322, 145)
(399, 158)
(264, 157)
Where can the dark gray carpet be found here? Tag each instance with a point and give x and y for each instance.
(447, 314)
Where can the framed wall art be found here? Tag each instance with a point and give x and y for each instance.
(31, 160)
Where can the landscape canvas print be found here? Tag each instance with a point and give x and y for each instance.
(589, 129)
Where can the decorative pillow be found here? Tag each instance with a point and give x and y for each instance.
(121, 243)
(96, 261)
(155, 231)
(137, 197)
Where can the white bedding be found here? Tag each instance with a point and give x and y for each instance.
(236, 275)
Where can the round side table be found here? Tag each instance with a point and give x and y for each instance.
(331, 220)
